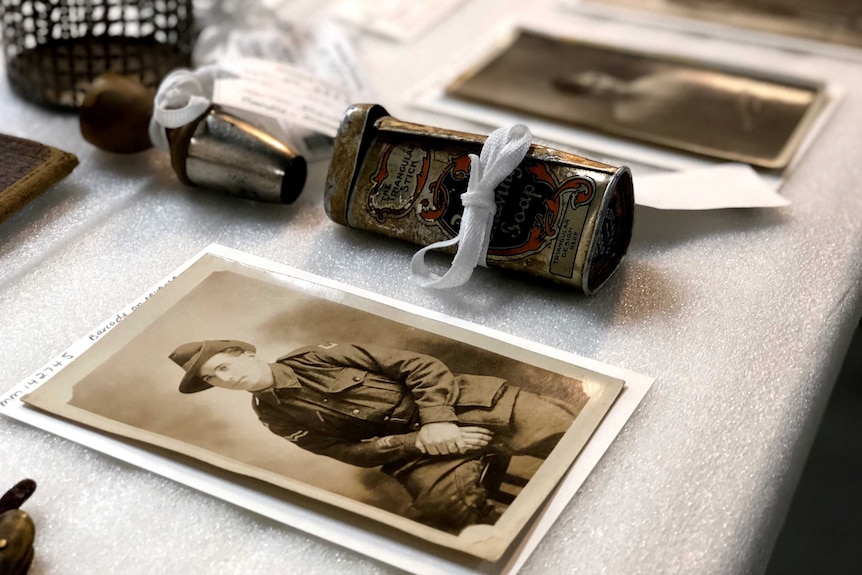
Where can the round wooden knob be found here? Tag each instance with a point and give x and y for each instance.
(115, 115)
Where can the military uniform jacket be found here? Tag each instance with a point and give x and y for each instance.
(363, 405)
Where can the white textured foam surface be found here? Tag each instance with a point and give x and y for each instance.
(742, 315)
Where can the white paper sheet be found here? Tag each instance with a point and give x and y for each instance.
(719, 186)
(282, 92)
(400, 20)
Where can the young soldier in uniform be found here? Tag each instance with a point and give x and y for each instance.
(366, 406)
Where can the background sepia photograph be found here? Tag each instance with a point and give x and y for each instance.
(835, 21)
(690, 106)
(341, 399)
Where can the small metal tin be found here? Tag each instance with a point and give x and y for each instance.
(17, 534)
(223, 152)
(559, 216)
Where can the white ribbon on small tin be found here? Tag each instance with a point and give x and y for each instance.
(182, 96)
(504, 149)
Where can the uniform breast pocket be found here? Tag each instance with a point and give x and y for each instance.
(349, 377)
(368, 390)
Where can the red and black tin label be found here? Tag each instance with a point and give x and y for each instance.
(535, 209)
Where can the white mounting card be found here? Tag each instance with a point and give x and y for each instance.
(115, 390)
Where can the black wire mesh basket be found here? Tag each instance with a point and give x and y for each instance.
(54, 49)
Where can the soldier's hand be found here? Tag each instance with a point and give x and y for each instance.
(475, 438)
(441, 438)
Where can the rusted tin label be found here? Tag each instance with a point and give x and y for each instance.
(534, 209)
(397, 181)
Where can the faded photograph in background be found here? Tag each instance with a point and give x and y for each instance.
(690, 106)
(835, 21)
(354, 383)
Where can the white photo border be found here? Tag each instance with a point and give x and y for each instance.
(354, 535)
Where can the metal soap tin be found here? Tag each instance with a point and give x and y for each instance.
(559, 216)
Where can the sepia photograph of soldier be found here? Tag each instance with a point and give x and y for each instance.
(404, 411)
(271, 382)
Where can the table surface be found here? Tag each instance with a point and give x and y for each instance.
(743, 316)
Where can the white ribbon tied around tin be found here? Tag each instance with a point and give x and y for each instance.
(504, 149)
(182, 96)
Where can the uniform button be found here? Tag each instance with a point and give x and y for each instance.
(385, 418)
(355, 412)
(325, 400)
(416, 425)
(357, 378)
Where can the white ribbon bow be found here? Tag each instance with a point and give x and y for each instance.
(182, 96)
(504, 149)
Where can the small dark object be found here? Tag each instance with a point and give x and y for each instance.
(27, 169)
(223, 152)
(115, 114)
(55, 48)
(15, 497)
(17, 531)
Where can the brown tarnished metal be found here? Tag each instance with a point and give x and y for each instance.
(17, 531)
(559, 216)
(16, 542)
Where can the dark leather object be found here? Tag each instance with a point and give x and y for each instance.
(27, 169)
